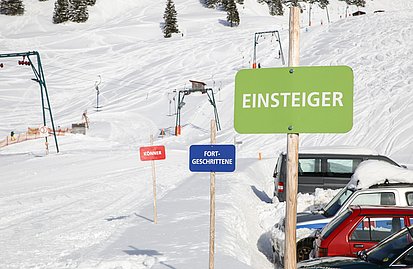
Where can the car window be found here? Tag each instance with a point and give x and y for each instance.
(376, 229)
(406, 259)
(335, 204)
(312, 165)
(277, 169)
(390, 249)
(409, 198)
(342, 166)
(381, 198)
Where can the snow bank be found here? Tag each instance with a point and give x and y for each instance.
(375, 172)
(339, 149)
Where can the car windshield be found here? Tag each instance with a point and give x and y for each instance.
(391, 248)
(335, 204)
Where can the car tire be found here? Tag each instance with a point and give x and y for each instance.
(304, 249)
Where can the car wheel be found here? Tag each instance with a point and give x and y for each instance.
(303, 250)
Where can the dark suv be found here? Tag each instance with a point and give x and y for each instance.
(325, 168)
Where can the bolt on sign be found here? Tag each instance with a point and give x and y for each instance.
(152, 153)
(315, 99)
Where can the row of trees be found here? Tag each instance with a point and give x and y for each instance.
(64, 10)
(229, 6)
(170, 24)
(11, 7)
(276, 6)
(71, 10)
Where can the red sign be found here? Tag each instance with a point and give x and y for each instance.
(152, 153)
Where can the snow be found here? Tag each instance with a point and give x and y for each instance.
(91, 205)
(373, 172)
(339, 149)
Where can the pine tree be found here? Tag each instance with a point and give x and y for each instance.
(90, 2)
(211, 3)
(359, 3)
(11, 7)
(276, 7)
(232, 13)
(323, 3)
(61, 11)
(224, 4)
(171, 23)
(4, 7)
(293, 3)
(78, 11)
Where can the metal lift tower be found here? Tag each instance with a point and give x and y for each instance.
(196, 87)
(38, 72)
(275, 34)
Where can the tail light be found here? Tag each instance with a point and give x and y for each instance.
(322, 252)
(280, 187)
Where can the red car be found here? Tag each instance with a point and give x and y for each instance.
(359, 228)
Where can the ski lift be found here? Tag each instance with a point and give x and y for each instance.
(272, 35)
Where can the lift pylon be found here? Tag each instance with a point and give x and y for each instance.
(181, 96)
(38, 72)
(257, 35)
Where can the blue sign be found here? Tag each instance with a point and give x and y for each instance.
(212, 158)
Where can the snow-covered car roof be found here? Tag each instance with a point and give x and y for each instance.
(343, 149)
(373, 172)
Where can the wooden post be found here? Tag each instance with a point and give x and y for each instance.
(290, 253)
(155, 214)
(212, 204)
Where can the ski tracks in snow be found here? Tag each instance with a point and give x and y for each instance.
(376, 50)
(56, 223)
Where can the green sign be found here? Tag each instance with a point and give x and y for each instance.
(314, 99)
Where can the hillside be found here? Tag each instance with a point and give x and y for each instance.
(90, 206)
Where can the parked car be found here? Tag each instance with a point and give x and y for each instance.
(323, 167)
(373, 183)
(359, 228)
(396, 251)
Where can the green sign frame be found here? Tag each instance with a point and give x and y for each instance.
(311, 99)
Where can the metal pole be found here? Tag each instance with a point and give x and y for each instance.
(212, 205)
(97, 100)
(40, 81)
(281, 49)
(43, 81)
(212, 101)
(178, 115)
(290, 253)
(42, 84)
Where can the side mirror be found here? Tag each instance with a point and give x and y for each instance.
(362, 254)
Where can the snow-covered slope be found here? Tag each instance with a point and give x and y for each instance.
(72, 209)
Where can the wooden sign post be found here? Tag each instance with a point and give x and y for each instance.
(212, 204)
(290, 253)
(259, 110)
(212, 158)
(155, 213)
(153, 153)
